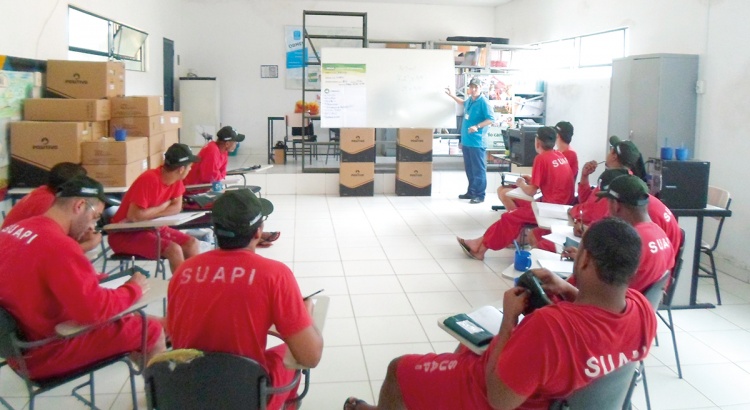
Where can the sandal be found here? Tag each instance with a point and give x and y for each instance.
(351, 403)
(272, 236)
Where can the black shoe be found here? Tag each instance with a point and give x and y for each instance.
(465, 196)
(476, 200)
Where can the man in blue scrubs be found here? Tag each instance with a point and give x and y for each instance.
(477, 117)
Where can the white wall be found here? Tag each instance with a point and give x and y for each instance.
(714, 29)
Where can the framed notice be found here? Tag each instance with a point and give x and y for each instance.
(269, 71)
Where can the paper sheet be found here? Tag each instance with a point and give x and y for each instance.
(518, 193)
(562, 268)
(553, 210)
(488, 317)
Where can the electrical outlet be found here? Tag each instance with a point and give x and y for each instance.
(700, 87)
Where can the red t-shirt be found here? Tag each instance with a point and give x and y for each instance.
(225, 301)
(591, 208)
(662, 216)
(35, 203)
(564, 347)
(657, 255)
(148, 191)
(572, 158)
(45, 279)
(553, 176)
(212, 166)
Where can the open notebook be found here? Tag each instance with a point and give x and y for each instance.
(474, 329)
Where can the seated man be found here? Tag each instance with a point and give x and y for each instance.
(553, 352)
(45, 279)
(551, 174)
(212, 167)
(38, 201)
(156, 193)
(226, 300)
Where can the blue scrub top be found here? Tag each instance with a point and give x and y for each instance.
(477, 110)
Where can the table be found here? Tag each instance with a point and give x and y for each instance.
(271, 120)
(536, 254)
(691, 220)
(242, 171)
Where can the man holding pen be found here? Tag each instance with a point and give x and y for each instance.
(226, 300)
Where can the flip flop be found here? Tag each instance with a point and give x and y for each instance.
(272, 236)
(351, 403)
(466, 249)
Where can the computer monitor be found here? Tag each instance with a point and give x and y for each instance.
(522, 150)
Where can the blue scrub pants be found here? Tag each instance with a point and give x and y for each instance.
(475, 163)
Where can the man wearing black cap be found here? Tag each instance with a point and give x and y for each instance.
(214, 157)
(45, 280)
(227, 299)
(156, 193)
(477, 117)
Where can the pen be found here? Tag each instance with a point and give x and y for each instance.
(601, 162)
(312, 294)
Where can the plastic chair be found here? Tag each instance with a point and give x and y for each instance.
(298, 131)
(666, 303)
(720, 198)
(609, 392)
(12, 347)
(212, 380)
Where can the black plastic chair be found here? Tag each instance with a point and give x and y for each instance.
(334, 136)
(666, 303)
(212, 381)
(720, 198)
(299, 131)
(609, 392)
(12, 347)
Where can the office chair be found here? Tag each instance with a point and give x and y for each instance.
(13, 347)
(609, 392)
(194, 380)
(334, 135)
(666, 303)
(720, 198)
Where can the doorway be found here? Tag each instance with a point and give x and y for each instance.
(168, 75)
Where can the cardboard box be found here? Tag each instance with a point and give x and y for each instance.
(37, 146)
(172, 120)
(156, 143)
(117, 175)
(155, 160)
(414, 178)
(85, 79)
(357, 144)
(137, 126)
(137, 106)
(61, 109)
(279, 156)
(98, 129)
(357, 179)
(414, 145)
(111, 152)
(171, 137)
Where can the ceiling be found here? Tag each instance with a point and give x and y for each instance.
(485, 3)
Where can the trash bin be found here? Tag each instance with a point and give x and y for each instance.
(279, 155)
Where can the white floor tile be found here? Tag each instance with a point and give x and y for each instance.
(379, 356)
(438, 302)
(368, 285)
(386, 304)
(367, 268)
(477, 281)
(390, 329)
(332, 395)
(326, 268)
(341, 332)
(341, 364)
(415, 267)
(437, 282)
(722, 383)
(330, 285)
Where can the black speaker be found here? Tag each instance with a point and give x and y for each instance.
(680, 184)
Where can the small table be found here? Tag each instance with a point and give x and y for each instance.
(271, 120)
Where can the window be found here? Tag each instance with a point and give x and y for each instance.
(599, 49)
(590, 50)
(95, 38)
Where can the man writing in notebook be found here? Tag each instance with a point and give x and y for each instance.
(600, 326)
(156, 193)
(551, 174)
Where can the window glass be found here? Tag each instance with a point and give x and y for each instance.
(600, 49)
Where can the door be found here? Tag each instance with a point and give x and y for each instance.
(168, 75)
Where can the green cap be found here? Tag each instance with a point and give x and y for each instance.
(627, 189)
(610, 174)
(179, 154)
(237, 212)
(82, 186)
(626, 151)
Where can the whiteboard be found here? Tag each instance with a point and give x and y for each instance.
(386, 88)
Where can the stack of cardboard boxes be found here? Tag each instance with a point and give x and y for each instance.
(357, 170)
(75, 126)
(414, 162)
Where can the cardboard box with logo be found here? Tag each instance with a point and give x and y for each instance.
(137, 126)
(357, 144)
(137, 106)
(414, 178)
(114, 152)
(117, 175)
(414, 145)
(85, 79)
(357, 179)
(62, 109)
(36, 146)
(172, 120)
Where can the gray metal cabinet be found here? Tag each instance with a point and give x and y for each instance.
(653, 101)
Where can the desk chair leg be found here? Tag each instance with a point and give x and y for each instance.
(712, 274)
(645, 386)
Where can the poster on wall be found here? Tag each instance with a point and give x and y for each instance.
(344, 95)
(20, 78)
(297, 56)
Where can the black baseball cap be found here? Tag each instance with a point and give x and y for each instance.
(179, 155)
(229, 134)
(626, 151)
(627, 189)
(546, 134)
(82, 186)
(238, 212)
(610, 174)
(565, 129)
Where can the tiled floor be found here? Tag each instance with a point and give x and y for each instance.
(391, 266)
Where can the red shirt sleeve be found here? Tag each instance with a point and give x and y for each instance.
(289, 313)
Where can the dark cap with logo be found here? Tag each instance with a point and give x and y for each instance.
(475, 81)
(179, 155)
(610, 174)
(229, 134)
(626, 151)
(82, 186)
(627, 189)
(238, 212)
